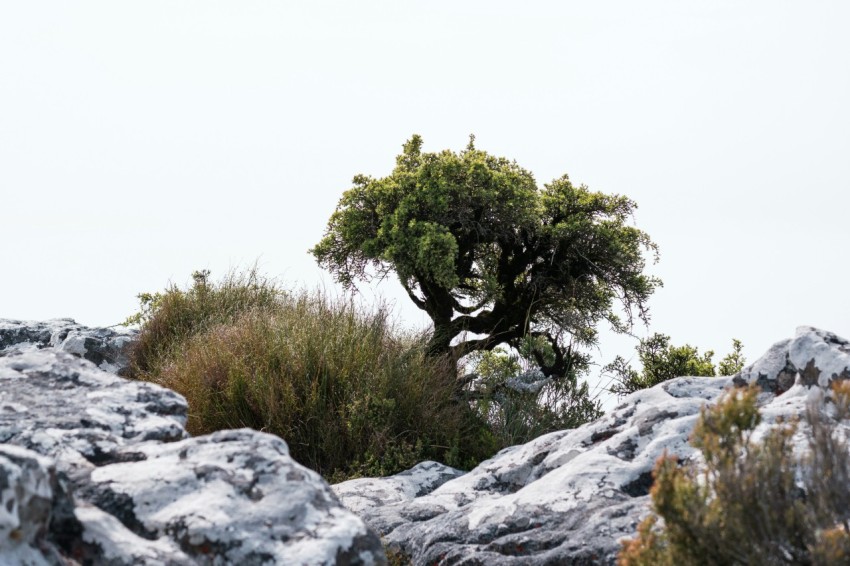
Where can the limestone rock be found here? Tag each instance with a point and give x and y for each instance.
(127, 486)
(62, 406)
(29, 491)
(107, 348)
(366, 493)
(569, 497)
(812, 357)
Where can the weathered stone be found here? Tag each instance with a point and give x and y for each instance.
(235, 496)
(814, 356)
(104, 473)
(569, 497)
(62, 406)
(27, 485)
(365, 493)
(127, 486)
(107, 348)
(564, 498)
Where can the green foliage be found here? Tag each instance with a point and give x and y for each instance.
(519, 403)
(745, 504)
(734, 361)
(661, 361)
(484, 251)
(349, 393)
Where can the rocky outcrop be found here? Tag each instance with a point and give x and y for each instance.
(95, 469)
(363, 494)
(568, 497)
(107, 348)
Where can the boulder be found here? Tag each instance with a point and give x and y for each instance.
(62, 406)
(366, 493)
(97, 469)
(34, 508)
(107, 348)
(569, 497)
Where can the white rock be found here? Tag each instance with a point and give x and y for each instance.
(568, 497)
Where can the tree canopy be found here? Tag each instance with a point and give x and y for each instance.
(491, 257)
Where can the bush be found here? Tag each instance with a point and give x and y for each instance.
(519, 403)
(662, 361)
(752, 502)
(170, 318)
(349, 393)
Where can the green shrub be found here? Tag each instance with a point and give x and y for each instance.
(519, 404)
(349, 393)
(661, 361)
(752, 502)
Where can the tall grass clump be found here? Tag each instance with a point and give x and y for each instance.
(350, 393)
(753, 502)
(170, 318)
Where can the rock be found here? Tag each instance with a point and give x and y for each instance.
(62, 406)
(30, 500)
(107, 348)
(105, 540)
(812, 357)
(128, 486)
(569, 497)
(95, 469)
(366, 493)
(236, 495)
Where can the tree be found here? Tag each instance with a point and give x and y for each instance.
(662, 361)
(491, 258)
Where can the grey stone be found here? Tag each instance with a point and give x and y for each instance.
(812, 357)
(365, 493)
(29, 490)
(107, 348)
(570, 497)
(232, 497)
(126, 485)
(64, 407)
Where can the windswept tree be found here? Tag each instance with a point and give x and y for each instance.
(491, 257)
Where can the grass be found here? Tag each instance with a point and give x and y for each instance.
(350, 393)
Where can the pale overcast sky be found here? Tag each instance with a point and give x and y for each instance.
(140, 141)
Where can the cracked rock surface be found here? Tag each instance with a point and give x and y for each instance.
(569, 497)
(107, 348)
(96, 469)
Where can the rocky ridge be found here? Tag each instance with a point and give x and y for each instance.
(107, 348)
(96, 469)
(569, 497)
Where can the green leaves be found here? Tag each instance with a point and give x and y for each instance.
(661, 361)
(483, 251)
(734, 360)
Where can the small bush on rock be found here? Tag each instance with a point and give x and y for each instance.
(661, 361)
(349, 393)
(753, 501)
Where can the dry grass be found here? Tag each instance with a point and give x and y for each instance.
(349, 393)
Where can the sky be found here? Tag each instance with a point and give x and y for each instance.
(140, 141)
